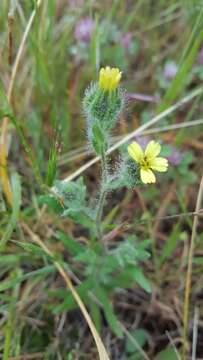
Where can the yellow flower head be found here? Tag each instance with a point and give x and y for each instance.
(148, 160)
(109, 78)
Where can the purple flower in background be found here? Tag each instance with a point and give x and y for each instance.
(175, 157)
(76, 3)
(126, 40)
(84, 29)
(142, 141)
(170, 70)
(200, 57)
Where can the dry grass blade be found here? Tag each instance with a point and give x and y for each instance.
(195, 333)
(189, 270)
(100, 346)
(28, 356)
(138, 131)
(85, 151)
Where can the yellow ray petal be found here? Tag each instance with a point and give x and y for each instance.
(135, 151)
(109, 78)
(159, 164)
(147, 176)
(153, 149)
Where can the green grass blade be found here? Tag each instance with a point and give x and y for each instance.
(16, 194)
(188, 58)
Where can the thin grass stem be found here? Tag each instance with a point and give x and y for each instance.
(189, 273)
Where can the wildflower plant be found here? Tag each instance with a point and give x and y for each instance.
(105, 267)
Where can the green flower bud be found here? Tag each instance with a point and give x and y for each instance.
(103, 102)
(102, 106)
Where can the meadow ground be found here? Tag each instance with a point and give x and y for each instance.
(137, 265)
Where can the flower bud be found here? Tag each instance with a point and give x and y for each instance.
(109, 78)
(104, 100)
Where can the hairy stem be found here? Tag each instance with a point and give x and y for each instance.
(102, 196)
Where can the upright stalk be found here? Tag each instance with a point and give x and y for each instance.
(103, 102)
(102, 195)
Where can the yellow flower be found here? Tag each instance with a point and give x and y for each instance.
(109, 78)
(148, 160)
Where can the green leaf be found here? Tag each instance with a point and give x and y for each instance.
(80, 216)
(70, 244)
(125, 278)
(69, 303)
(72, 193)
(139, 277)
(96, 314)
(170, 244)
(167, 354)
(73, 196)
(122, 280)
(35, 249)
(108, 310)
(140, 336)
(98, 139)
(52, 203)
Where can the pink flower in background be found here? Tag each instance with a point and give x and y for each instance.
(84, 29)
(175, 157)
(126, 40)
(200, 57)
(170, 70)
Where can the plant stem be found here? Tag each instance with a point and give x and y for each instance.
(102, 195)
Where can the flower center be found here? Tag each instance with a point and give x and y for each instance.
(145, 164)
